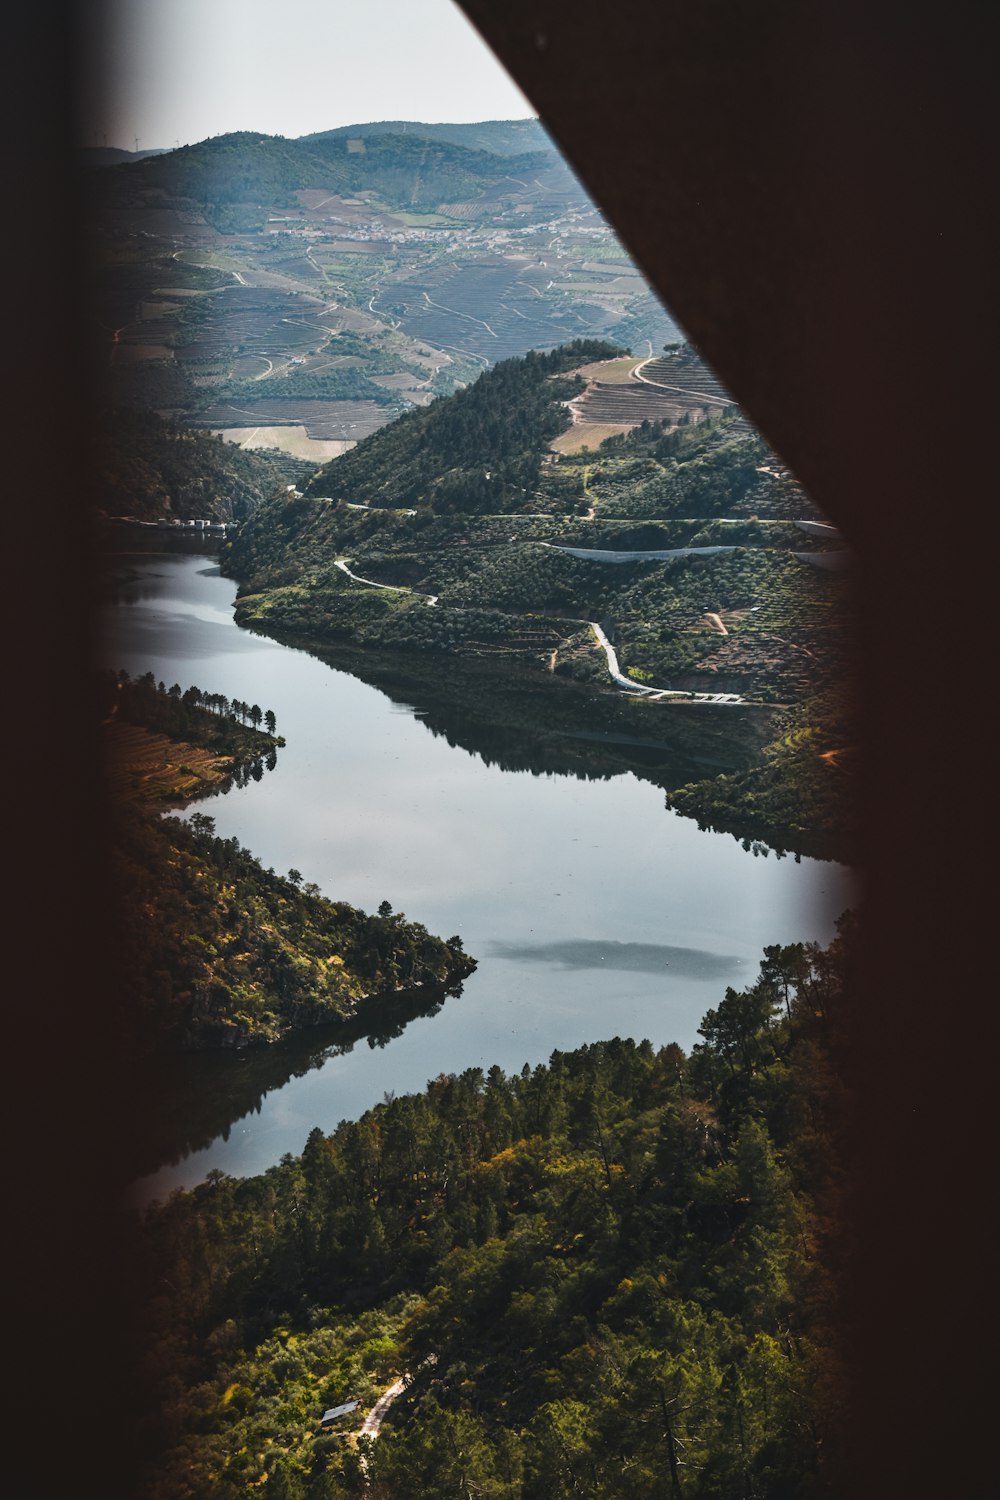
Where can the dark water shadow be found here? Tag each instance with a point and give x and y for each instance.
(516, 718)
(637, 958)
(187, 1100)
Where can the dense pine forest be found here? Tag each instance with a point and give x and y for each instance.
(606, 1276)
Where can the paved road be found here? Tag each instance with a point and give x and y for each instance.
(628, 686)
(395, 588)
(658, 385)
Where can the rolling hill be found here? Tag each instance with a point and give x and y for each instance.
(674, 568)
(502, 137)
(245, 167)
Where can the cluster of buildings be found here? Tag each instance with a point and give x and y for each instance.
(188, 528)
(214, 528)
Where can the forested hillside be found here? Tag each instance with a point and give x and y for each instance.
(606, 1276)
(222, 952)
(213, 950)
(479, 450)
(150, 467)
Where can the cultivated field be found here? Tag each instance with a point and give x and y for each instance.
(150, 767)
(629, 403)
(293, 440)
(340, 421)
(586, 435)
(247, 319)
(610, 371)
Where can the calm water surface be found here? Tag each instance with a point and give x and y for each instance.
(592, 910)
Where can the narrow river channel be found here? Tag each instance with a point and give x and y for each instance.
(592, 910)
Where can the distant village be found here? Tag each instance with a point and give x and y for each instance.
(206, 528)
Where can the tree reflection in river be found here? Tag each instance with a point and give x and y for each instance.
(199, 1096)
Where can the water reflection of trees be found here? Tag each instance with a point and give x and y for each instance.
(517, 719)
(242, 772)
(189, 1100)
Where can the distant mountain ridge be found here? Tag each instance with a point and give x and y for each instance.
(501, 137)
(247, 167)
(115, 156)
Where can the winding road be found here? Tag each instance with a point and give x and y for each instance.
(395, 588)
(628, 686)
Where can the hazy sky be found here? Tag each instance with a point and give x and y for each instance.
(182, 70)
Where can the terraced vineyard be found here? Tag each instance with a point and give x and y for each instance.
(683, 372)
(494, 312)
(678, 388)
(344, 421)
(658, 536)
(630, 403)
(339, 308)
(251, 319)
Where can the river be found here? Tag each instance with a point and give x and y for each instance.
(592, 910)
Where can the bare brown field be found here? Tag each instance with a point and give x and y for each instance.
(587, 435)
(610, 371)
(293, 440)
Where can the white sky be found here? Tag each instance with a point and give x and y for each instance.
(182, 70)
